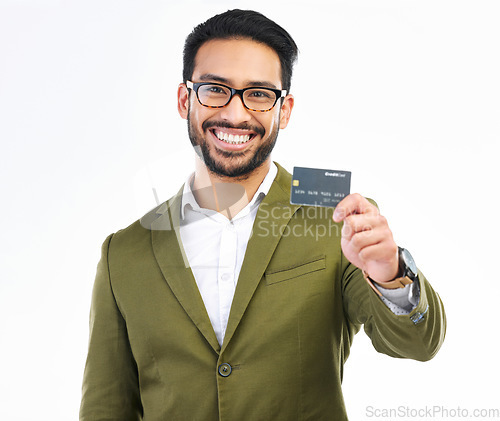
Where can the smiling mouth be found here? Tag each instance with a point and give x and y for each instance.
(232, 139)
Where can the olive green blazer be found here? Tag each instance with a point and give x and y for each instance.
(153, 354)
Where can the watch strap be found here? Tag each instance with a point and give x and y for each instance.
(395, 283)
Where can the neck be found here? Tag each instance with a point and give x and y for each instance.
(226, 195)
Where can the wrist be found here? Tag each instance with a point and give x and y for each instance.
(406, 274)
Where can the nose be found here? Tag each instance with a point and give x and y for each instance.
(235, 111)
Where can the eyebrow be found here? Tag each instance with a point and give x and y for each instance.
(210, 77)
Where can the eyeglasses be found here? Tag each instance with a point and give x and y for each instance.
(216, 95)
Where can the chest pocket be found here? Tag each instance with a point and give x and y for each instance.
(289, 273)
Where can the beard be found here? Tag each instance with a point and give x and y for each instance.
(238, 165)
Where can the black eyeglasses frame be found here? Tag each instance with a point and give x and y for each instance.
(279, 93)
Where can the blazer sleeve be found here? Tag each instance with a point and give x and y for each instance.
(418, 335)
(110, 383)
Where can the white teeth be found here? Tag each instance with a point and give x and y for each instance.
(232, 138)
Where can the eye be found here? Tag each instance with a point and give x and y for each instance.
(260, 94)
(214, 89)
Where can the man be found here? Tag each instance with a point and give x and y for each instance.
(220, 304)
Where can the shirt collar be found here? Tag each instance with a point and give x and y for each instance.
(188, 199)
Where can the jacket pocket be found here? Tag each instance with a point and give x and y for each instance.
(294, 272)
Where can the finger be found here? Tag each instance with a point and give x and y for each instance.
(358, 223)
(364, 239)
(351, 205)
(382, 251)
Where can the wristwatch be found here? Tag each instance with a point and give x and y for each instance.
(407, 269)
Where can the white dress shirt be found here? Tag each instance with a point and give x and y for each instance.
(215, 247)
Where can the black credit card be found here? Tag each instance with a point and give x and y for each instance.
(317, 187)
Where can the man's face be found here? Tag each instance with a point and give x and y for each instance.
(239, 64)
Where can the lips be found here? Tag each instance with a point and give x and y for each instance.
(232, 138)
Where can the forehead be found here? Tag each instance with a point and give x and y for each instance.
(239, 61)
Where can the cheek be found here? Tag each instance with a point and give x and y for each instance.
(197, 116)
(269, 122)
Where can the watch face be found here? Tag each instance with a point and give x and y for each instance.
(409, 262)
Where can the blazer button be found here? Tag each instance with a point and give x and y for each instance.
(225, 370)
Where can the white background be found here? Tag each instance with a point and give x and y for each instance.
(405, 94)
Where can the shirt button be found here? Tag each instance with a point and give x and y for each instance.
(225, 370)
(226, 277)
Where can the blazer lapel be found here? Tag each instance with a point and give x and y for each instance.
(172, 259)
(273, 215)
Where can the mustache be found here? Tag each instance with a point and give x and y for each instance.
(210, 124)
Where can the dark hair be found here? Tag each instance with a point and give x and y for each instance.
(242, 24)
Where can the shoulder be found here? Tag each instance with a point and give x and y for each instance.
(160, 217)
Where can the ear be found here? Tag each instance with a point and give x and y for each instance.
(286, 111)
(183, 100)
